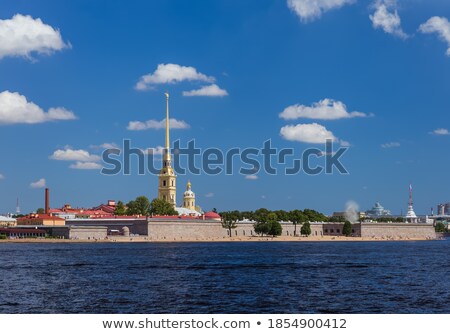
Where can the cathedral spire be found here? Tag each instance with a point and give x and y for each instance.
(167, 149)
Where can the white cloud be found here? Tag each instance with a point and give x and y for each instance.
(38, 184)
(170, 74)
(211, 90)
(15, 109)
(390, 144)
(85, 165)
(439, 25)
(69, 154)
(22, 35)
(209, 195)
(309, 133)
(325, 109)
(2, 177)
(387, 18)
(309, 10)
(105, 146)
(251, 177)
(158, 150)
(440, 132)
(156, 125)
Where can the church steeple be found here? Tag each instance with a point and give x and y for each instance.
(189, 197)
(167, 179)
(167, 148)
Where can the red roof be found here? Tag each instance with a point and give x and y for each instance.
(39, 216)
(212, 215)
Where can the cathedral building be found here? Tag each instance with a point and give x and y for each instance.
(167, 189)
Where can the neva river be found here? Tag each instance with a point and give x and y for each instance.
(229, 277)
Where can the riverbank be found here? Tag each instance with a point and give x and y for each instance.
(122, 239)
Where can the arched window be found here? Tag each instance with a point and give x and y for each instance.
(164, 183)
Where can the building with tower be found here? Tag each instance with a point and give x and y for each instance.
(167, 189)
(411, 216)
(189, 198)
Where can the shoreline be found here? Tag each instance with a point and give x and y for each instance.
(142, 239)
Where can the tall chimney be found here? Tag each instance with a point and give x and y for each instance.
(47, 201)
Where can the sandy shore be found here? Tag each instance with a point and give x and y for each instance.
(226, 239)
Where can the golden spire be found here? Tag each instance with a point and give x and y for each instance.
(167, 153)
(188, 185)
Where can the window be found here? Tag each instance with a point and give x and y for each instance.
(326, 230)
(164, 183)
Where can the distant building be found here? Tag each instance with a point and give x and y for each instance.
(411, 216)
(7, 221)
(443, 209)
(41, 219)
(378, 211)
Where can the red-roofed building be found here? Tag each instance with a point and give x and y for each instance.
(212, 216)
(41, 219)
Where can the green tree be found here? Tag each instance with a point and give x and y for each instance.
(140, 206)
(162, 208)
(347, 229)
(228, 222)
(314, 216)
(440, 227)
(261, 215)
(306, 229)
(261, 228)
(296, 217)
(274, 227)
(214, 210)
(120, 209)
(40, 211)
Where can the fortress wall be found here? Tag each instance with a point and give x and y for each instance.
(246, 229)
(191, 230)
(185, 230)
(397, 230)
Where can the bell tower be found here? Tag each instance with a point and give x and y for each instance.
(167, 189)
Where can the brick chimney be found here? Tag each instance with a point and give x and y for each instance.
(47, 201)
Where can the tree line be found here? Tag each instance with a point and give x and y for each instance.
(267, 222)
(141, 206)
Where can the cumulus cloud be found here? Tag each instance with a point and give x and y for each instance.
(440, 132)
(211, 90)
(105, 146)
(156, 125)
(325, 109)
(390, 144)
(85, 165)
(158, 150)
(308, 133)
(38, 184)
(23, 35)
(69, 154)
(439, 25)
(251, 177)
(309, 10)
(15, 109)
(386, 17)
(170, 74)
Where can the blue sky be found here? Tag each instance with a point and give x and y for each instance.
(385, 60)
